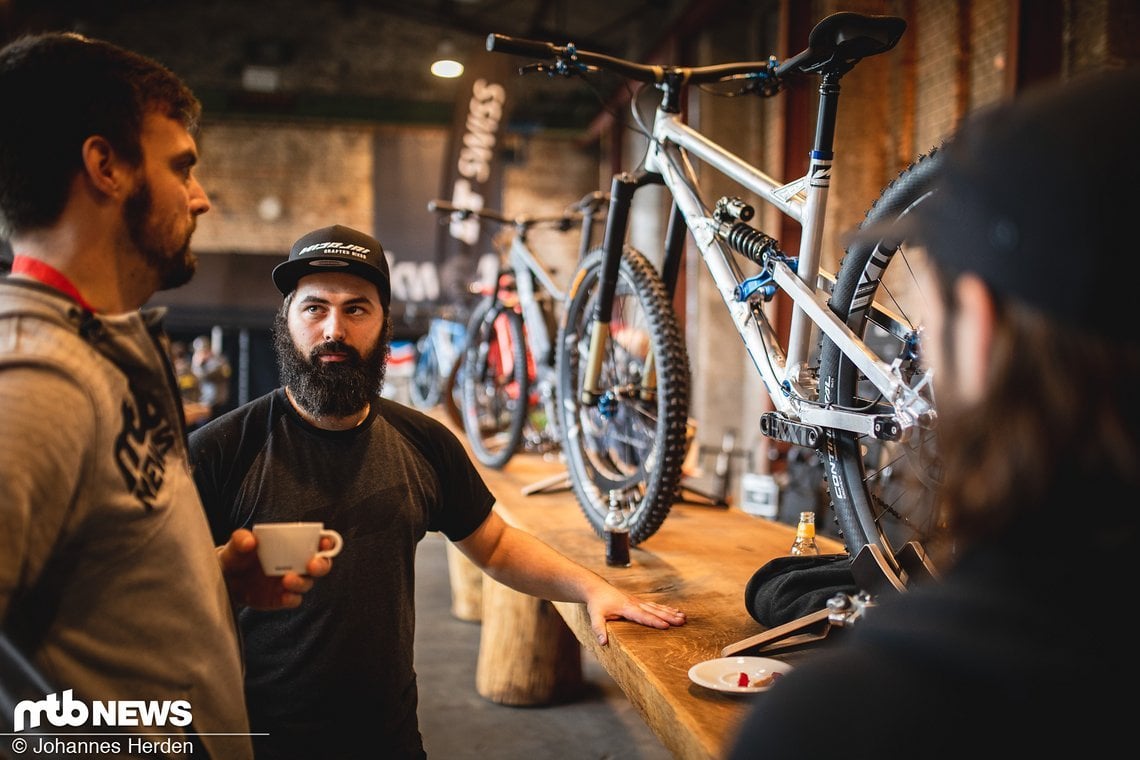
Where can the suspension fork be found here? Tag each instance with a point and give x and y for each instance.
(622, 188)
(674, 251)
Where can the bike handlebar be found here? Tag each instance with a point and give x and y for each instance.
(590, 203)
(568, 60)
(835, 44)
(443, 207)
(563, 221)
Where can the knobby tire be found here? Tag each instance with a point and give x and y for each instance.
(633, 439)
(424, 389)
(495, 386)
(881, 492)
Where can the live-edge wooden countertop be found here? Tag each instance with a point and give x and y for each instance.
(699, 561)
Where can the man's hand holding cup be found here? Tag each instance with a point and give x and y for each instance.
(294, 553)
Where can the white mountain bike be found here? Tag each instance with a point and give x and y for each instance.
(847, 383)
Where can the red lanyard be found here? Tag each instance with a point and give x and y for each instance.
(49, 276)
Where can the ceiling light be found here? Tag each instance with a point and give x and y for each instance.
(446, 64)
(260, 78)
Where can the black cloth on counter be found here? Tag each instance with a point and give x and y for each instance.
(787, 588)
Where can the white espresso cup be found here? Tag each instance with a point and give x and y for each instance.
(287, 547)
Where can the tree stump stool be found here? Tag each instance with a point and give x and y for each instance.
(527, 654)
(466, 586)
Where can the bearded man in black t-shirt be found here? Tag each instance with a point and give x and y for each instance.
(335, 677)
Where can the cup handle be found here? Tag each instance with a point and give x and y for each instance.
(338, 543)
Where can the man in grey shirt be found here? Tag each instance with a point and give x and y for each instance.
(110, 585)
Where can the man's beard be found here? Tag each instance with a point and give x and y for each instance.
(331, 389)
(174, 263)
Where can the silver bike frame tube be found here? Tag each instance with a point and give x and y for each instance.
(525, 265)
(669, 128)
(811, 305)
(715, 255)
(807, 269)
(521, 254)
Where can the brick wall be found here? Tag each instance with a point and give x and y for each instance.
(317, 174)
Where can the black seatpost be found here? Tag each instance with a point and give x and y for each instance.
(826, 116)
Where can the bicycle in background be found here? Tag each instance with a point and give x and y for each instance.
(437, 354)
(848, 382)
(507, 371)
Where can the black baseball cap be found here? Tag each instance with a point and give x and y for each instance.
(336, 249)
(1037, 197)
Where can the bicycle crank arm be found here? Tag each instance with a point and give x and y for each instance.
(883, 427)
(777, 426)
(809, 431)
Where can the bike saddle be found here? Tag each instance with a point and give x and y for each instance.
(843, 39)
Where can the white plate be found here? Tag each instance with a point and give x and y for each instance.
(723, 673)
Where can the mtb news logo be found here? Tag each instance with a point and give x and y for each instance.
(62, 710)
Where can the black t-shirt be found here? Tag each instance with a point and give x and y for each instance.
(335, 678)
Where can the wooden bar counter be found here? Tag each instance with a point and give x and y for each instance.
(700, 561)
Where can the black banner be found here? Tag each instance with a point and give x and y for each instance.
(473, 172)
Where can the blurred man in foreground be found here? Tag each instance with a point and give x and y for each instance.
(1020, 649)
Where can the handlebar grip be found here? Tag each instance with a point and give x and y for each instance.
(592, 202)
(444, 207)
(441, 206)
(500, 43)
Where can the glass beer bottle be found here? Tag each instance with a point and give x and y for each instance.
(804, 544)
(616, 530)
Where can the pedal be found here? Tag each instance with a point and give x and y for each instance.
(776, 425)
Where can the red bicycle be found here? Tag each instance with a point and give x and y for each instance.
(506, 375)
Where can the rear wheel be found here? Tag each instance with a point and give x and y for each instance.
(495, 386)
(882, 492)
(633, 438)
